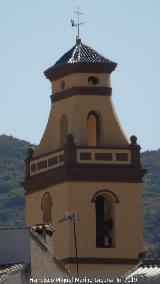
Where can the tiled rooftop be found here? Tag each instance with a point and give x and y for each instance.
(6, 269)
(148, 271)
(4, 266)
(10, 267)
(81, 53)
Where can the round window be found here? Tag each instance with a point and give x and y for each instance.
(93, 80)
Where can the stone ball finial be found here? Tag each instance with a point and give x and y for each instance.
(133, 139)
(30, 152)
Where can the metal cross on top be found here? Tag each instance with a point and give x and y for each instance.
(78, 24)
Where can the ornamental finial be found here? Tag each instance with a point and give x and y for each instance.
(77, 24)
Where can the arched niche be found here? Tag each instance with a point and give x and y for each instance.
(93, 129)
(46, 207)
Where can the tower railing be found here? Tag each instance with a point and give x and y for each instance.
(73, 156)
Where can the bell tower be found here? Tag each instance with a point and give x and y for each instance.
(85, 164)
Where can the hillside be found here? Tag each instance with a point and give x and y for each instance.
(12, 201)
(151, 196)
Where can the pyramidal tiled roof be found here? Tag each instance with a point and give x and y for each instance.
(79, 57)
(81, 53)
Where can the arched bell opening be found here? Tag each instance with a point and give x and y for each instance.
(105, 221)
(93, 129)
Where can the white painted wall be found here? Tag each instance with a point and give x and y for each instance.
(14, 246)
(43, 265)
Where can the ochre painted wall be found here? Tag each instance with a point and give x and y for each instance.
(76, 196)
(76, 110)
(80, 80)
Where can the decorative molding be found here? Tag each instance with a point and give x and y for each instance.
(76, 91)
(103, 156)
(105, 191)
(85, 156)
(121, 156)
(61, 71)
(48, 153)
(83, 174)
(95, 260)
(71, 170)
(134, 148)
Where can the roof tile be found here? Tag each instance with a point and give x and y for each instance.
(81, 53)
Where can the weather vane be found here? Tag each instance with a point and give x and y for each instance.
(78, 23)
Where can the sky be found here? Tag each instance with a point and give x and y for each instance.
(35, 33)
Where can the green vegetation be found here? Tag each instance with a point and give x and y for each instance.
(12, 201)
(151, 198)
(12, 168)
